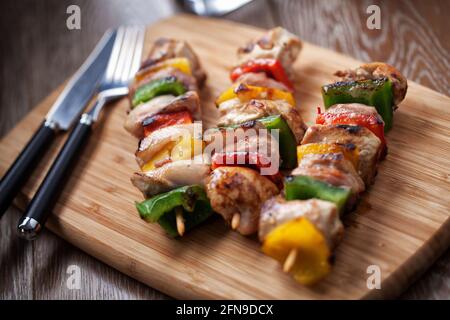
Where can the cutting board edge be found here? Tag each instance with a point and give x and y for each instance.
(406, 277)
(42, 106)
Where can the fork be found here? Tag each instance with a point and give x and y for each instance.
(122, 65)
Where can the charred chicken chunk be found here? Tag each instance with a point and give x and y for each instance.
(239, 191)
(376, 70)
(277, 44)
(165, 48)
(235, 112)
(260, 79)
(356, 108)
(245, 138)
(369, 146)
(334, 169)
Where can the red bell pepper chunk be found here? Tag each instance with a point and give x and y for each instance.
(251, 160)
(162, 120)
(271, 67)
(371, 122)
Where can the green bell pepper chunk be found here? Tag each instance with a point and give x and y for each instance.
(148, 91)
(377, 93)
(287, 143)
(161, 208)
(303, 188)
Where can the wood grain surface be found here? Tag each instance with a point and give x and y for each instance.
(413, 37)
(402, 237)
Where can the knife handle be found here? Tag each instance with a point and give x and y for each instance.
(45, 198)
(23, 166)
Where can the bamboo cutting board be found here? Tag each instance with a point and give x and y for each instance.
(402, 223)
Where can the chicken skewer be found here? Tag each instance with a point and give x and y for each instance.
(164, 104)
(328, 171)
(337, 157)
(260, 98)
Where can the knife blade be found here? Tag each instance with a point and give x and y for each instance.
(81, 87)
(62, 115)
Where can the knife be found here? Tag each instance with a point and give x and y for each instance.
(66, 109)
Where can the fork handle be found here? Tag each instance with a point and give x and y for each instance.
(45, 198)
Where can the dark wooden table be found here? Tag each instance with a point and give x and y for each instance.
(38, 53)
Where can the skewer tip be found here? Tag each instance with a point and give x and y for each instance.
(235, 221)
(290, 260)
(180, 221)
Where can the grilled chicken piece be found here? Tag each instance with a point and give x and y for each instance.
(278, 44)
(234, 112)
(239, 190)
(356, 108)
(228, 106)
(360, 109)
(334, 169)
(368, 144)
(260, 79)
(162, 104)
(376, 70)
(323, 215)
(165, 48)
(159, 139)
(170, 176)
(189, 82)
(247, 138)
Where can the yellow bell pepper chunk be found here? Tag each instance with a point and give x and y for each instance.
(246, 93)
(187, 148)
(312, 259)
(184, 148)
(351, 153)
(162, 156)
(181, 64)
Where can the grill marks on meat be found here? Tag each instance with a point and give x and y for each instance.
(334, 169)
(260, 79)
(246, 139)
(368, 144)
(239, 190)
(165, 48)
(355, 109)
(377, 70)
(170, 172)
(278, 44)
(235, 112)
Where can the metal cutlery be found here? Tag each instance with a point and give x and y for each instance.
(61, 116)
(213, 7)
(123, 64)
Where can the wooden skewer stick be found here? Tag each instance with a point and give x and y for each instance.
(235, 221)
(290, 260)
(180, 221)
